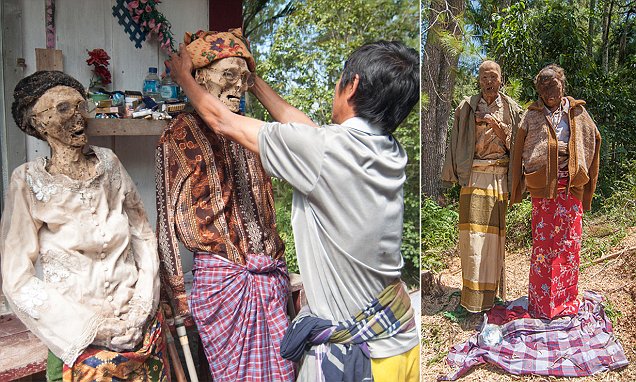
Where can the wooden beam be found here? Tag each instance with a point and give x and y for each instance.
(49, 59)
(124, 126)
(224, 15)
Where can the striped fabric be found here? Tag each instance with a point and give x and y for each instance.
(339, 351)
(240, 311)
(482, 234)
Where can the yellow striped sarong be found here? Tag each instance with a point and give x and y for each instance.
(482, 234)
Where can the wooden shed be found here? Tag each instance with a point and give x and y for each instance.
(78, 27)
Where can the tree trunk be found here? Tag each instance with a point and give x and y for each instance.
(590, 27)
(622, 42)
(438, 79)
(607, 24)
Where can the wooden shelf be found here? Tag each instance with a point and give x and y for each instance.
(125, 126)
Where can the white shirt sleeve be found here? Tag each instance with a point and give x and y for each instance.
(293, 152)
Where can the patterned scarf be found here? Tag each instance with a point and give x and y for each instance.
(385, 316)
(207, 47)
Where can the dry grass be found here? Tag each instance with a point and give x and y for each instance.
(615, 280)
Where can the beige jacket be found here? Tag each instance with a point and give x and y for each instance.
(458, 163)
(535, 162)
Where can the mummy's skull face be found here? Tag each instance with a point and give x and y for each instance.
(227, 79)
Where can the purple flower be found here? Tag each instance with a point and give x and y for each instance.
(217, 44)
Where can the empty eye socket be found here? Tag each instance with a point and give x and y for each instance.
(230, 76)
(64, 108)
(248, 79)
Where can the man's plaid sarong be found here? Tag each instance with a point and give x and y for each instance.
(240, 312)
(340, 352)
(575, 346)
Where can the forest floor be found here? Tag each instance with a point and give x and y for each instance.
(614, 279)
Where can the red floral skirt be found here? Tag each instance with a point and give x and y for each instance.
(554, 265)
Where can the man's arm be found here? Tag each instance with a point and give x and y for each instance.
(279, 109)
(216, 115)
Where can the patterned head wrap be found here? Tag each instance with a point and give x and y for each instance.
(207, 47)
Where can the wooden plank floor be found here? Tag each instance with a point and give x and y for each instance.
(21, 352)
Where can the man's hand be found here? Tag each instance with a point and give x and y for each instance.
(180, 65)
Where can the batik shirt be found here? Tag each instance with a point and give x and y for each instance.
(97, 250)
(212, 195)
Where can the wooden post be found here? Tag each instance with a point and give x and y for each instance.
(224, 15)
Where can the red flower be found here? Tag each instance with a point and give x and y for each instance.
(98, 57)
(104, 74)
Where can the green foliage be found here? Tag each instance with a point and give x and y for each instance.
(301, 56)
(611, 311)
(607, 226)
(519, 225)
(530, 34)
(283, 199)
(434, 336)
(439, 233)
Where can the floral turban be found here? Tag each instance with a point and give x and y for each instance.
(207, 47)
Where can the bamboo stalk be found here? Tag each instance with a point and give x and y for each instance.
(174, 356)
(611, 256)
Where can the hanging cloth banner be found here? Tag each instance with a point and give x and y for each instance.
(50, 24)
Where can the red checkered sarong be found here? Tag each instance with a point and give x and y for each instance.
(240, 312)
(554, 265)
(574, 346)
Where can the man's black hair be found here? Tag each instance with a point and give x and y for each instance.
(389, 82)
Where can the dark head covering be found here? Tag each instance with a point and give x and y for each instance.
(31, 88)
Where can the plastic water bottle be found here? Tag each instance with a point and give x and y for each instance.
(169, 89)
(151, 84)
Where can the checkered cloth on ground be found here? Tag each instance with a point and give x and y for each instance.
(341, 353)
(240, 312)
(575, 346)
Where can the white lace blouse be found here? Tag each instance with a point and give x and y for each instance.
(97, 250)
